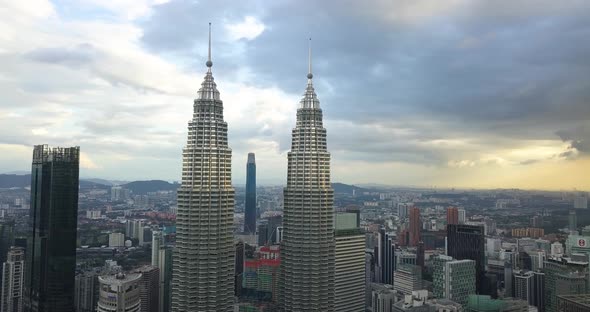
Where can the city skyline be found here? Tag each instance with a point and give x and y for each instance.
(429, 94)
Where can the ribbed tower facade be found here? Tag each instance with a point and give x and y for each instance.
(307, 255)
(203, 265)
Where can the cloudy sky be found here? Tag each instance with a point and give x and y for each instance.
(455, 93)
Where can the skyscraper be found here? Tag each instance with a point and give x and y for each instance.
(349, 263)
(462, 216)
(250, 215)
(12, 281)
(415, 226)
(452, 215)
(307, 264)
(165, 266)
(149, 288)
(408, 278)
(156, 243)
(86, 296)
(573, 221)
(6, 238)
(468, 242)
(239, 267)
(204, 255)
(453, 279)
(564, 277)
(386, 256)
(51, 241)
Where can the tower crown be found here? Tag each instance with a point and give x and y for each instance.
(310, 98)
(208, 90)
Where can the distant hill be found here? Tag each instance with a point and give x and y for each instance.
(346, 188)
(99, 181)
(24, 180)
(144, 187)
(14, 180)
(89, 184)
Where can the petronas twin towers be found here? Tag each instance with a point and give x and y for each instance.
(203, 265)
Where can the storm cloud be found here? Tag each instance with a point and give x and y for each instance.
(441, 87)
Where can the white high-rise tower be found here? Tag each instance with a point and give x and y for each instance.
(307, 249)
(203, 265)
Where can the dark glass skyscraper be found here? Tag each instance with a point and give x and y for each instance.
(467, 242)
(51, 241)
(250, 216)
(6, 239)
(386, 255)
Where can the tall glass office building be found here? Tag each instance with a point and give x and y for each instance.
(203, 268)
(307, 249)
(51, 241)
(250, 213)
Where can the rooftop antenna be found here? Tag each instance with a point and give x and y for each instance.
(209, 63)
(309, 74)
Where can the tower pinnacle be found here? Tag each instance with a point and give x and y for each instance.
(209, 63)
(309, 74)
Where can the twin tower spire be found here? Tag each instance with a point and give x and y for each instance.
(309, 99)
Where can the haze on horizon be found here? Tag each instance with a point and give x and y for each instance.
(470, 94)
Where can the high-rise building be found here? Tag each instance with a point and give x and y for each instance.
(250, 211)
(564, 277)
(468, 242)
(149, 288)
(453, 279)
(6, 238)
(572, 221)
(539, 291)
(371, 273)
(523, 286)
(275, 224)
(165, 266)
(268, 270)
(263, 233)
(13, 278)
(120, 292)
(134, 229)
(204, 255)
(452, 215)
(269, 230)
(307, 249)
(508, 282)
(462, 216)
(349, 263)
(580, 201)
(529, 286)
(420, 257)
(157, 241)
(386, 256)
(415, 226)
(383, 297)
(239, 267)
(402, 210)
(86, 296)
(116, 193)
(116, 240)
(51, 241)
(408, 278)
